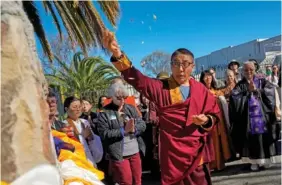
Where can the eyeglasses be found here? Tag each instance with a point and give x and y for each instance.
(184, 64)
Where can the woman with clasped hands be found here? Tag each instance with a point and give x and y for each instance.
(187, 113)
(120, 127)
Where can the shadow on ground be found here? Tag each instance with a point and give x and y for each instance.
(232, 170)
(240, 169)
(234, 174)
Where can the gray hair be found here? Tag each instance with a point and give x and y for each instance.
(249, 63)
(117, 89)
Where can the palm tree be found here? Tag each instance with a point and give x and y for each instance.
(80, 19)
(82, 77)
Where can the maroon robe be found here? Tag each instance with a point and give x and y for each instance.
(184, 146)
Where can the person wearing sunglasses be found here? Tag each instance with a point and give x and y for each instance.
(120, 128)
(187, 113)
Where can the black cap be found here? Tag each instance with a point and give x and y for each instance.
(232, 62)
(256, 63)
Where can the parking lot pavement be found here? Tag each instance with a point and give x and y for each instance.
(237, 173)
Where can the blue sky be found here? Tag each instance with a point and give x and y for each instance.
(202, 27)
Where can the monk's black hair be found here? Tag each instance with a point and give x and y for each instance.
(68, 101)
(181, 51)
(207, 72)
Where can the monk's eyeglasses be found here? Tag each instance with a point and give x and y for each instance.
(184, 64)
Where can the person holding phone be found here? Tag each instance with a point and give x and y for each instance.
(120, 126)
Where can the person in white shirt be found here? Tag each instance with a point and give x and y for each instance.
(82, 129)
(274, 76)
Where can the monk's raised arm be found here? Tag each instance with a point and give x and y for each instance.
(151, 88)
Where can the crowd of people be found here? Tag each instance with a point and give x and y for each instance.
(176, 127)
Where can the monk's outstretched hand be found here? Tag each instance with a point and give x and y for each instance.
(110, 43)
(200, 119)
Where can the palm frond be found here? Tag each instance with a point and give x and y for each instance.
(111, 9)
(76, 60)
(49, 8)
(81, 20)
(78, 20)
(35, 20)
(92, 16)
(84, 75)
(55, 80)
(66, 24)
(67, 70)
(65, 9)
(90, 36)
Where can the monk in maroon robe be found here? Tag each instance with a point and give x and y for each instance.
(187, 113)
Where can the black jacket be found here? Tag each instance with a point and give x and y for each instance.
(110, 129)
(58, 125)
(239, 114)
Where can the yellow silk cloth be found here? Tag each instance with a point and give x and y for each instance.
(67, 182)
(78, 157)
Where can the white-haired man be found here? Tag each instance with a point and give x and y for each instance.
(254, 129)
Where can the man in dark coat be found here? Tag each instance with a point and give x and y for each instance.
(52, 102)
(254, 128)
